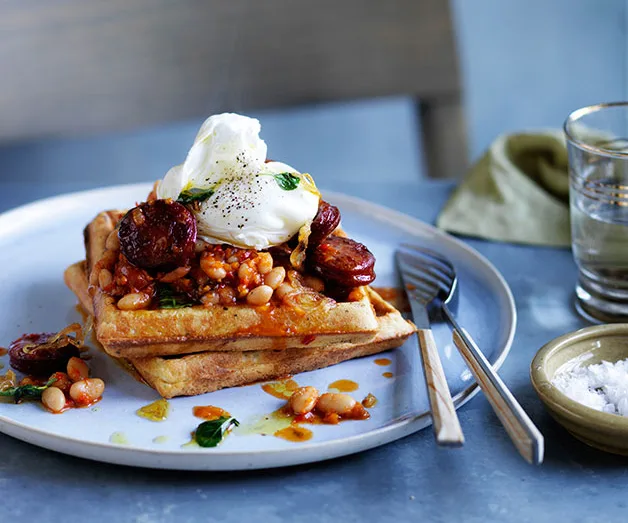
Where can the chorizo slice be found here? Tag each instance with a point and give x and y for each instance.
(160, 234)
(25, 357)
(343, 262)
(325, 222)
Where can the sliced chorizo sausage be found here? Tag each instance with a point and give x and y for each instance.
(343, 262)
(325, 222)
(160, 234)
(42, 362)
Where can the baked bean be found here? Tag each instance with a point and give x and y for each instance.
(265, 263)
(303, 400)
(314, 283)
(28, 380)
(259, 295)
(245, 272)
(62, 381)
(107, 260)
(213, 267)
(113, 242)
(134, 301)
(86, 392)
(210, 298)
(216, 272)
(232, 259)
(175, 274)
(227, 295)
(105, 278)
(284, 290)
(275, 277)
(335, 403)
(77, 369)
(53, 399)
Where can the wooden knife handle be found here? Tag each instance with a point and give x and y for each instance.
(520, 428)
(446, 424)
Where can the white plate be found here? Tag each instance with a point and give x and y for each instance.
(38, 241)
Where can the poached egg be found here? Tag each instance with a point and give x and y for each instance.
(242, 200)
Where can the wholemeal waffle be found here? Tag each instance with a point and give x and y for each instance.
(169, 332)
(212, 370)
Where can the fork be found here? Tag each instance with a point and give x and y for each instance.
(435, 274)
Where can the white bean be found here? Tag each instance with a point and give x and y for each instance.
(216, 273)
(134, 301)
(283, 290)
(303, 400)
(210, 298)
(335, 403)
(259, 295)
(265, 263)
(275, 277)
(245, 272)
(86, 392)
(77, 369)
(53, 399)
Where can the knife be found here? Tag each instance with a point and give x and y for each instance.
(446, 425)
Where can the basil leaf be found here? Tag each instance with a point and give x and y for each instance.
(287, 181)
(211, 433)
(195, 195)
(169, 299)
(26, 392)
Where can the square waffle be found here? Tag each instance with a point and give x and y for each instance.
(207, 371)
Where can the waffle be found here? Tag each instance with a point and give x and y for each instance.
(209, 371)
(237, 328)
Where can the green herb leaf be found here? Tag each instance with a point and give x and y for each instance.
(26, 392)
(211, 433)
(195, 195)
(168, 298)
(287, 181)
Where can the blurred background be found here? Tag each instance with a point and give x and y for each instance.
(101, 93)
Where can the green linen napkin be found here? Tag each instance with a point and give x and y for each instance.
(517, 192)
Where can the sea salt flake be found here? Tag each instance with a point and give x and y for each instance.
(602, 387)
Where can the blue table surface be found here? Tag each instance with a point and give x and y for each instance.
(408, 480)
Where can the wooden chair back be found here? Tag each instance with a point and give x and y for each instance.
(76, 67)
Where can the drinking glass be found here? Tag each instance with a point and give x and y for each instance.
(597, 141)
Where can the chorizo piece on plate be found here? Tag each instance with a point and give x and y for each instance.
(25, 357)
(158, 235)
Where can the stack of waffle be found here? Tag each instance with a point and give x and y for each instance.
(193, 350)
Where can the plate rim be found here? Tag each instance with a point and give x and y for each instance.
(397, 428)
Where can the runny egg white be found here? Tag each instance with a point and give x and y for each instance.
(253, 204)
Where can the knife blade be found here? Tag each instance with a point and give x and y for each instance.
(447, 430)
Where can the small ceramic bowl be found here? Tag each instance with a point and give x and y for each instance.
(608, 432)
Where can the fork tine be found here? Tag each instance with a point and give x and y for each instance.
(443, 263)
(429, 279)
(426, 258)
(422, 288)
(426, 270)
(428, 252)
